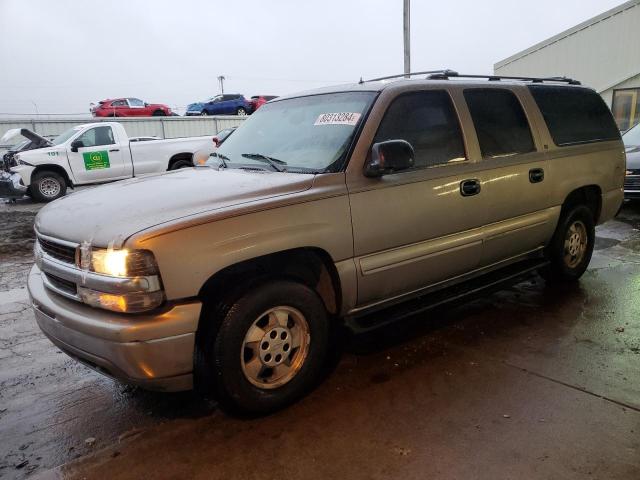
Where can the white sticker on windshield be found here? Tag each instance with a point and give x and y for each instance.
(338, 118)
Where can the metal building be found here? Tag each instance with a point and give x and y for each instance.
(603, 53)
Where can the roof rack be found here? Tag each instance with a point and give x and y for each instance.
(446, 74)
(493, 78)
(431, 72)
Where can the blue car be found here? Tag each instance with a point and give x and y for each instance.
(227, 104)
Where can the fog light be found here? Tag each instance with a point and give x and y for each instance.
(126, 303)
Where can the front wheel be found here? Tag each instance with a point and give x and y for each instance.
(159, 113)
(269, 349)
(571, 247)
(47, 186)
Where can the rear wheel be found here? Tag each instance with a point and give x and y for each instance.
(572, 245)
(241, 112)
(269, 349)
(47, 186)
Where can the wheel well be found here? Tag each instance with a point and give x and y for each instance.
(53, 168)
(180, 156)
(590, 195)
(311, 266)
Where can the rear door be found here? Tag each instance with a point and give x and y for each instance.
(100, 159)
(517, 185)
(416, 228)
(121, 108)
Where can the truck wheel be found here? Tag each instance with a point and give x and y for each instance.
(241, 112)
(158, 113)
(181, 164)
(269, 350)
(47, 186)
(571, 247)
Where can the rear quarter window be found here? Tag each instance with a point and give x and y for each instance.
(574, 115)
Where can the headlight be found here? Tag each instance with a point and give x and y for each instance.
(119, 263)
(143, 290)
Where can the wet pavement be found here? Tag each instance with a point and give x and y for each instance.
(532, 382)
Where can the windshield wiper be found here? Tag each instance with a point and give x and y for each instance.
(223, 159)
(274, 162)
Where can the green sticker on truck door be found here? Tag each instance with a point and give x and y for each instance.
(96, 160)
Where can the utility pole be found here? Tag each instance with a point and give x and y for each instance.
(407, 38)
(221, 80)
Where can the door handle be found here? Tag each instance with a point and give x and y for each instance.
(114, 150)
(470, 187)
(536, 175)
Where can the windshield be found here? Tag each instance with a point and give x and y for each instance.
(632, 137)
(211, 99)
(63, 137)
(305, 133)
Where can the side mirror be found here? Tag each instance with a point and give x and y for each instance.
(146, 104)
(76, 144)
(389, 157)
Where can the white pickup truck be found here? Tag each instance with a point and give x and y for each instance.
(98, 153)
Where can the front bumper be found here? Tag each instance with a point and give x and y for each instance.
(154, 351)
(11, 186)
(193, 112)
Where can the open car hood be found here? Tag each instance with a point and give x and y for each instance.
(11, 138)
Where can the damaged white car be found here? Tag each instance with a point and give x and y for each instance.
(98, 153)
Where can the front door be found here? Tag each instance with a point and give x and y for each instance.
(419, 227)
(100, 158)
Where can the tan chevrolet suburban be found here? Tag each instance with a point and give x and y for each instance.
(322, 208)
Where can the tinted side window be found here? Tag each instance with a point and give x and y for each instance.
(574, 115)
(119, 103)
(97, 136)
(428, 121)
(500, 122)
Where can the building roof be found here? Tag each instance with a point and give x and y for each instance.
(567, 33)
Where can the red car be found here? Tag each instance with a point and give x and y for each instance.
(129, 107)
(258, 100)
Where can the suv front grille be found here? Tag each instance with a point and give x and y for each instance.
(59, 251)
(62, 284)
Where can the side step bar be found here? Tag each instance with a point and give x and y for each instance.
(487, 283)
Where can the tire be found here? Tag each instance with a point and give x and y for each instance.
(571, 247)
(46, 186)
(249, 364)
(241, 112)
(159, 113)
(204, 113)
(181, 164)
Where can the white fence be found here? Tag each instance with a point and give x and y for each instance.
(163, 127)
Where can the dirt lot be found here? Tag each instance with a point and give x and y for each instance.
(532, 382)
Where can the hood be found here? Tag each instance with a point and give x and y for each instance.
(633, 158)
(12, 136)
(114, 212)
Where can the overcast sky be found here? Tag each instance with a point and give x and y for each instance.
(58, 56)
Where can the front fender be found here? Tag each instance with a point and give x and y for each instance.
(188, 257)
(25, 172)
